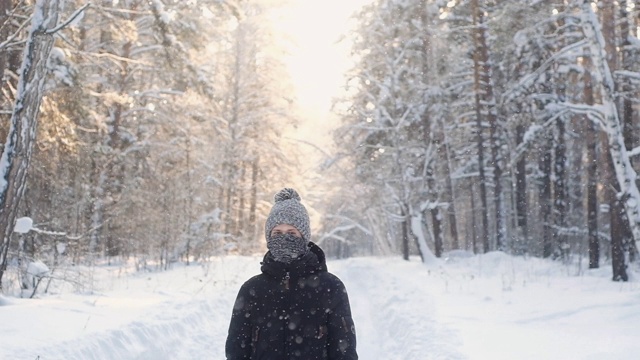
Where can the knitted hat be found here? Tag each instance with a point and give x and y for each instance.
(287, 209)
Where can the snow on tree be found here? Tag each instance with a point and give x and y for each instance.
(18, 147)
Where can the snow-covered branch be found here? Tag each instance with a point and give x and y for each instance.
(634, 152)
(21, 136)
(625, 173)
(627, 74)
(353, 222)
(532, 134)
(7, 42)
(71, 18)
(531, 78)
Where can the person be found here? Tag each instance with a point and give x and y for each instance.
(294, 309)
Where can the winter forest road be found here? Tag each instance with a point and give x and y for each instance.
(394, 315)
(491, 306)
(184, 313)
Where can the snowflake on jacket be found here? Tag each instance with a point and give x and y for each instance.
(295, 309)
(292, 311)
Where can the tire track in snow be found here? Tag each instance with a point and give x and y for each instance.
(184, 327)
(395, 316)
(186, 332)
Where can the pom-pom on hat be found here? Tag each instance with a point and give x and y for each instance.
(287, 209)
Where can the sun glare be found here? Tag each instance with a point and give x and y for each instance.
(317, 58)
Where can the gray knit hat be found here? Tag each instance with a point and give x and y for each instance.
(288, 209)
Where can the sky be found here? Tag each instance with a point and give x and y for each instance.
(317, 60)
(491, 306)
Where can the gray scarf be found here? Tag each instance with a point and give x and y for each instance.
(286, 247)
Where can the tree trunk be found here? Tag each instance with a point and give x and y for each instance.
(189, 200)
(437, 231)
(545, 197)
(21, 137)
(617, 225)
(418, 222)
(405, 233)
(5, 6)
(521, 193)
(592, 166)
(433, 133)
(627, 61)
(625, 174)
(478, 88)
(474, 225)
(484, 86)
(449, 195)
(240, 225)
(253, 200)
(560, 191)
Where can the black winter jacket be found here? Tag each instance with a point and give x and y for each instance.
(292, 311)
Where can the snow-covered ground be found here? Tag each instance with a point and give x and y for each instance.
(492, 306)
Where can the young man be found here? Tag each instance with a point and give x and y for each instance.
(295, 309)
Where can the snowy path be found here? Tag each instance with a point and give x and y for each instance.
(178, 314)
(492, 307)
(395, 314)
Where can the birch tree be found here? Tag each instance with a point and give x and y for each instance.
(18, 147)
(610, 120)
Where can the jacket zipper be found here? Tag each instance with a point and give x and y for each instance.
(287, 276)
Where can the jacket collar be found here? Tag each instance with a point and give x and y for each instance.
(312, 262)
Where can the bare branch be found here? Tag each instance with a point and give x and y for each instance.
(7, 42)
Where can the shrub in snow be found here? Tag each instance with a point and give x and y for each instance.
(34, 273)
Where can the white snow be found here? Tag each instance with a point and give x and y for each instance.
(37, 269)
(23, 225)
(491, 306)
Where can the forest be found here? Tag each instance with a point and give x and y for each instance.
(152, 131)
(494, 126)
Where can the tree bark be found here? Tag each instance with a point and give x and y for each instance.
(24, 120)
(405, 232)
(449, 193)
(253, 200)
(5, 6)
(618, 227)
(560, 191)
(521, 193)
(627, 61)
(478, 89)
(437, 231)
(474, 226)
(545, 197)
(592, 166)
(482, 62)
(433, 133)
(625, 174)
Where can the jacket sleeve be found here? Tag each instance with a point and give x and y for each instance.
(238, 345)
(341, 329)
